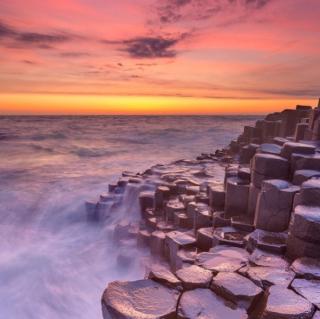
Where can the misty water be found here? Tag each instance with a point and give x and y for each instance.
(53, 262)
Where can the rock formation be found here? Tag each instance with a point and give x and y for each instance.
(232, 234)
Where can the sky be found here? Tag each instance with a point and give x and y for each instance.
(158, 56)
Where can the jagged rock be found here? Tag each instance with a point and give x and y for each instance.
(309, 289)
(157, 243)
(302, 175)
(193, 277)
(205, 304)
(265, 259)
(222, 259)
(268, 241)
(204, 238)
(269, 148)
(228, 236)
(164, 276)
(310, 192)
(237, 195)
(297, 247)
(306, 267)
(306, 223)
(273, 209)
(181, 220)
(291, 147)
(236, 288)
(141, 299)
(176, 240)
(202, 198)
(283, 303)
(125, 230)
(265, 277)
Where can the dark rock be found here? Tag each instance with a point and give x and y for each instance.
(302, 175)
(283, 303)
(141, 299)
(268, 241)
(242, 223)
(237, 195)
(204, 238)
(269, 148)
(146, 200)
(273, 210)
(194, 277)
(310, 192)
(173, 206)
(236, 288)
(205, 304)
(306, 267)
(306, 223)
(291, 147)
(297, 247)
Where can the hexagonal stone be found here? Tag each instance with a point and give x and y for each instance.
(307, 267)
(271, 166)
(163, 275)
(236, 288)
(217, 196)
(309, 289)
(306, 223)
(265, 259)
(204, 238)
(310, 192)
(283, 303)
(205, 304)
(274, 205)
(194, 277)
(141, 299)
(265, 277)
(302, 175)
(224, 259)
(268, 241)
(228, 236)
(291, 147)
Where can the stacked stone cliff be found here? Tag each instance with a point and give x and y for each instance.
(234, 234)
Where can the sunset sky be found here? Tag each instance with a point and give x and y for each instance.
(158, 56)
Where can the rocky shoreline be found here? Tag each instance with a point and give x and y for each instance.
(232, 234)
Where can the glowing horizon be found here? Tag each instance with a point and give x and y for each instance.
(158, 57)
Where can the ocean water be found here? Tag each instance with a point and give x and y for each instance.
(53, 262)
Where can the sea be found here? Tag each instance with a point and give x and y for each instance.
(54, 263)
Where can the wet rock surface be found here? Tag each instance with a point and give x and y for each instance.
(194, 277)
(236, 288)
(205, 304)
(142, 299)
